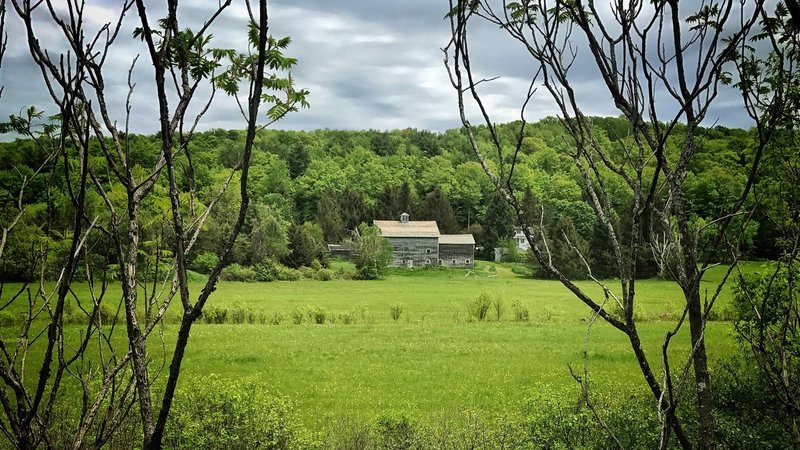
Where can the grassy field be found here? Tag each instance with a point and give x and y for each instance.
(434, 359)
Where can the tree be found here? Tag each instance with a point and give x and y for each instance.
(438, 208)
(307, 244)
(639, 51)
(373, 253)
(768, 303)
(353, 209)
(298, 160)
(268, 236)
(110, 191)
(395, 200)
(498, 225)
(329, 217)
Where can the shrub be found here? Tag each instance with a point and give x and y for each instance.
(749, 414)
(238, 315)
(395, 431)
(306, 272)
(288, 274)
(521, 312)
(347, 318)
(498, 307)
(317, 315)
(7, 319)
(480, 306)
(216, 413)
(325, 274)
(235, 272)
(276, 318)
(213, 314)
(268, 270)
(204, 262)
(396, 311)
(298, 315)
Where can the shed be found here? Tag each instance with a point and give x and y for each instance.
(457, 250)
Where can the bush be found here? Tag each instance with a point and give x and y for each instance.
(748, 413)
(268, 270)
(395, 431)
(325, 275)
(347, 318)
(306, 273)
(204, 263)
(288, 274)
(396, 311)
(213, 314)
(298, 316)
(498, 307)
(317, 315)
(7, 319)
(235, 272)
(238, 315)
(276, 318)
(216, 413)
(521, 312)
(480, 306)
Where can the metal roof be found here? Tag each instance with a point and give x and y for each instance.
(414, 228)
(456, 239)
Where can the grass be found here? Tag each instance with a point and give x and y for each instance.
(434, 359)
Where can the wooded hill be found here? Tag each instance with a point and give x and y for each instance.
(313, 187)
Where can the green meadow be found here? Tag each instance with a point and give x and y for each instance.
(435, 358)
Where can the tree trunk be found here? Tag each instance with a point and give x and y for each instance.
(136, 339)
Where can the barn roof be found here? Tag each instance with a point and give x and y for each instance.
(456, 239)
(415, 228)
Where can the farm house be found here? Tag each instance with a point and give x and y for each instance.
(418, 243)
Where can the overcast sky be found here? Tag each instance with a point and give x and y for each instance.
(368, 64)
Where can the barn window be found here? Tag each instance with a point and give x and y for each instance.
(440, 262)
(428, 251)
(428, 261)
(466, 261)
(454, 261)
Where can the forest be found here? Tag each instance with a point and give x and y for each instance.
(313, 188)
(173, 288)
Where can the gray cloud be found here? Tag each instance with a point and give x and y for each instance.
(374, 64)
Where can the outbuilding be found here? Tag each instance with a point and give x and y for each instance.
(418, 243)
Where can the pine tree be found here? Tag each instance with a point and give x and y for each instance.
(438, 208)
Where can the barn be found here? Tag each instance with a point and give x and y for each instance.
(418, 243)
(457, 250)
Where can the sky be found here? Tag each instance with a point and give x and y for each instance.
(374, 64)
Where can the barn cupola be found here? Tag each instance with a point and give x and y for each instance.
(404, 218)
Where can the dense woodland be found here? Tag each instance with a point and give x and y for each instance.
(311, 188)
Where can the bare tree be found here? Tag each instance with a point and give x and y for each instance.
(183, 62)
(663, 68)
(770, 322)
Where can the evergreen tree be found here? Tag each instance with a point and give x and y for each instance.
(298, 160)
(329, 217)
(395, 200)
(498, 225)
(438, 208)
(306, 244)
(354, 211)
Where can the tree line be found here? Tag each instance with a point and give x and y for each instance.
(312, 188)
